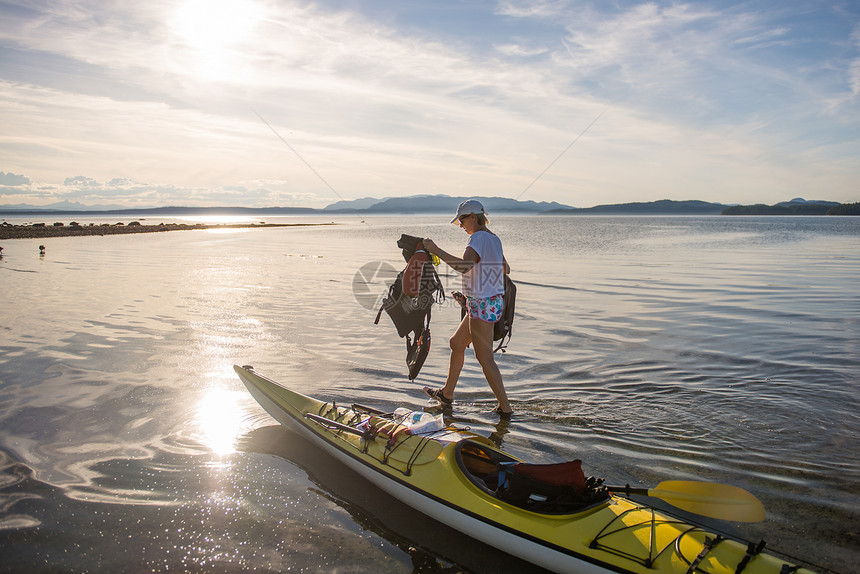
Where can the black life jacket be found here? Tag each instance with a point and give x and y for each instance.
(411, 314)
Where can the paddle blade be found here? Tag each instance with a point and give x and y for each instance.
(722, 501)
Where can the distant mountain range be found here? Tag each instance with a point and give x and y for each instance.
(439, 204)
(428, 204)
(368, 205)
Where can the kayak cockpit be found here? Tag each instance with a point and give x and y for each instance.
(507, 479)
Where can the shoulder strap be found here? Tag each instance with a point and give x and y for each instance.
(503, 345)
(508, 312)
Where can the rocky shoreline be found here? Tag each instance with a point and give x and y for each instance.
(41, 230)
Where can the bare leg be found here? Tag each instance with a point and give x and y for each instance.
(458, 342)
(482, 341)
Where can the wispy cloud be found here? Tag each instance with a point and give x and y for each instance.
(535, 8)
(854, 67)
(523, 50)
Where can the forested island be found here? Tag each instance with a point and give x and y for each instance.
(660, 207)
(792, 208)
(845, 209)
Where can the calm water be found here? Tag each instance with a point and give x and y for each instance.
(718, 349)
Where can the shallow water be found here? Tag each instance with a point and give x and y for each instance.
(719, 349)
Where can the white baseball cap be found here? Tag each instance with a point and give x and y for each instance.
(468, 207)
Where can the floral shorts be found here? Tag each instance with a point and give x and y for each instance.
(489, 309)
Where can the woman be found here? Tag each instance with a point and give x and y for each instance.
(483, 266)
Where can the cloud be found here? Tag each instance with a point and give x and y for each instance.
(84, 190)
(14, 185)
(764, 39)
(11, 179)
(81, 182)
(533, 8)
(520, 50)
(650, 49)
(854, 66)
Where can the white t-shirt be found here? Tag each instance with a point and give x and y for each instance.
(487, 277)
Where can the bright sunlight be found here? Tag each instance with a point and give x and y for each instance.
(220, 420)
(215, 24)
(214, 29)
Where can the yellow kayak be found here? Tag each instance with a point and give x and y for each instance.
(461, 479)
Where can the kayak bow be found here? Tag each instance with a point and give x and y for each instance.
(452, 476)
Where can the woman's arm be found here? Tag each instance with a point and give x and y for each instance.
(462, 264)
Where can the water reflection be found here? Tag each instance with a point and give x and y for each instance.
(503, 427)
(429, 546)
(221, 219)
(220, 419)
(497, 432)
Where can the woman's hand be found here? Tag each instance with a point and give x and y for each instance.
(431, 247)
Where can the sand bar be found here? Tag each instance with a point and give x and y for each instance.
(37, 231)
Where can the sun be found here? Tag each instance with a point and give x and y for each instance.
(216, 34)
(214, 25)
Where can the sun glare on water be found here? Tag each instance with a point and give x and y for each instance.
(222, 219)
(219, 418)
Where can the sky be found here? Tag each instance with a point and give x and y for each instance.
(277, 103)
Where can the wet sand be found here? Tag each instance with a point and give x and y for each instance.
(37, 231)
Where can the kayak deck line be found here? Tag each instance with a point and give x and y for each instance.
(652, 524)
(453, 476)
(396, 437)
